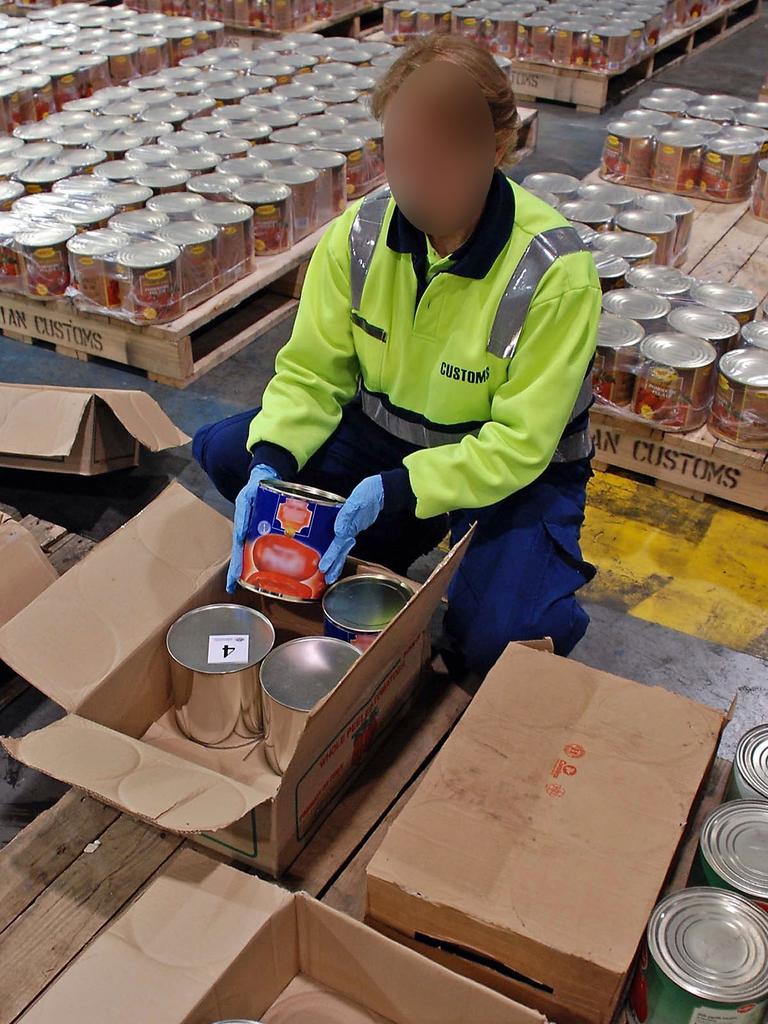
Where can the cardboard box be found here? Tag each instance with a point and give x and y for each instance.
(106, 663)
(206, 943)
(25, 573)
(537, 844)
(80, 430)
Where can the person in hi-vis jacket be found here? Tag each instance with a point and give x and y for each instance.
(439, 367)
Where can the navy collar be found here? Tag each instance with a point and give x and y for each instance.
(478, 254)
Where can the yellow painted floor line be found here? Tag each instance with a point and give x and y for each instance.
(692, 566)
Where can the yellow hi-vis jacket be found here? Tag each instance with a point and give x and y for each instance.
(484, 375)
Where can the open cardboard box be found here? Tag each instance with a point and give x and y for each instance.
(25, 572)
(207, 943)
(538, 842)
(80, 430)
(95, 643)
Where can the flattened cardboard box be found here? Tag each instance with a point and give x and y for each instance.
(535, 847)
(25, 572)
(105, 662)
(80, 430)
(206, 943)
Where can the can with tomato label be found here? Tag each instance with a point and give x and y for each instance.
(399, 20)
(290, 530)
(733, 850)
(675, 381)
(570, 42)
(10, 261)
(44, 259)
(616, 358)
(93, 265)
(303, 183)
(199, 269)
(728, 169)
(627, 152)
(648, 309)
(705, 961)
(353, 149)
(150, 281)
(676, 164)
(749, 778)
(740, 408)
(332, 185)
(358, 608)
(272, 204)
(656, 226)
(681, 210)
(534, 38)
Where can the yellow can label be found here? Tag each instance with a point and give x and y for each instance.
(86, 261)
(230, 230)
(149, 313)
(157, 274)
(668, 149)
(45, 253)
(41, 289)
(196, 250)
(265, 211)
(714, 158)
(612, 140)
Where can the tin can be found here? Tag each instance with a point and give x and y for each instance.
(733, 850)
(740, 408)
(177, 206)
(332, 183)
(609, 47)
(616, 359)
(745, 133)
(710, 112)
(41, 175)
(749, 778)
(139, 222)
(215, 654)
(303, 183)
(163, 180)
(728, 169)
(498, 32)
(675, 381)
(10, 191)
(719, 329)
(150, 281)
(635, 304)
(93, 265)
(612, 270)
(698, 126)
(627, 152)
(672, 105)
(86, 214)
(254, 132)
(295, 677)
(617, 196)
(399, 20)
(235, 244)
(216, 187)
(154, 155)
(655, 118)
(10, 258)
(358, 608)
(739, 302)
(681, 210)
(228, 148)
(705, 961)
(666, 281)
(754, 335)
(45, 266)
(194, 163)
(570, 42)
(126, 198)
(676, 164)
(637, 250)
(564, 186)
(292, 527)
(534, 38)
(199, 269)
(598, 216)
(352, 147)
(119, 170)
(272, 204)
(656, 226)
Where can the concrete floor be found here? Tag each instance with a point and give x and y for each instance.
(617, 641)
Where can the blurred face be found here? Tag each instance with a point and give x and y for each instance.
(439, 148)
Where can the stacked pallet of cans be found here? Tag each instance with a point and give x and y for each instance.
(714, 146)
(143, 198)
(267, 15)
(706, 951)
(671, 350)
(604, 35)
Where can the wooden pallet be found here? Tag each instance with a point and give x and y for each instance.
(361, 21)
(727, 244)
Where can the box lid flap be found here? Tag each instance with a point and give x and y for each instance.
(26, 572)
(150, 784)
(83, 627)
(549, 819)
(142, 416)
(40, 421)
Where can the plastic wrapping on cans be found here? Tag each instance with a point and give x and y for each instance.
(332, 182)
(216, 187)
(358, 171)
(177, 206)
(163, 180)
(235, 243)
(273, 221)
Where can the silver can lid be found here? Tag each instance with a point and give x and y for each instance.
(751, 759)
(618, 332)
(552, 181)
(296, 136)
(321, 159)
(662, 280)
(189, 638)
(365, 603)
(262, 193)
(248, 168)
(226, 146)
(710, 112)
(120, 170)
(668, 106)
(163, 177)
(711, 943)
(145, 255)
(671, 92)
(656, 118)
(734, 842)
(189, 232)
(213, 184)
(194, 163)
(613, 195)
(671, 206)
(223, 214)
(104, 242)
(44, 235)
(209, 125)
(755, 334)
(698, 126)
(728, 298)
(587, 211)
(679, 351)
(680, 139)
(294, 175)
(629, 244)
(608, 266)
(723, 99)
(636, 304)
(155, 155)
(747, 366)
(703, 322)
(252, 131)
(645, 222)
(175, 202)
(139, 222)
(189, 140)
(300, 673)
(724, 145)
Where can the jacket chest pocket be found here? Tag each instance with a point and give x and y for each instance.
(371, 346)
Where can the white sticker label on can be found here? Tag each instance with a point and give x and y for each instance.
(228, 650)
(750, 1013)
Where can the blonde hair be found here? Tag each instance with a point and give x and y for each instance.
(480, 64)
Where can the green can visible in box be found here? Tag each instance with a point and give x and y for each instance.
(705, 961)
(749, 779)
(733, 850)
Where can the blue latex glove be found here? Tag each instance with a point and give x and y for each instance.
(243, 507)
(359, 511)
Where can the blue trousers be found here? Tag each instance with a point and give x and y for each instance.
(520, 574)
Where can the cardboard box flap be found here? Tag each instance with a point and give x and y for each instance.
(543, 831)
(26, 572)
(128, 589)
(148, 783)
(40, 421)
